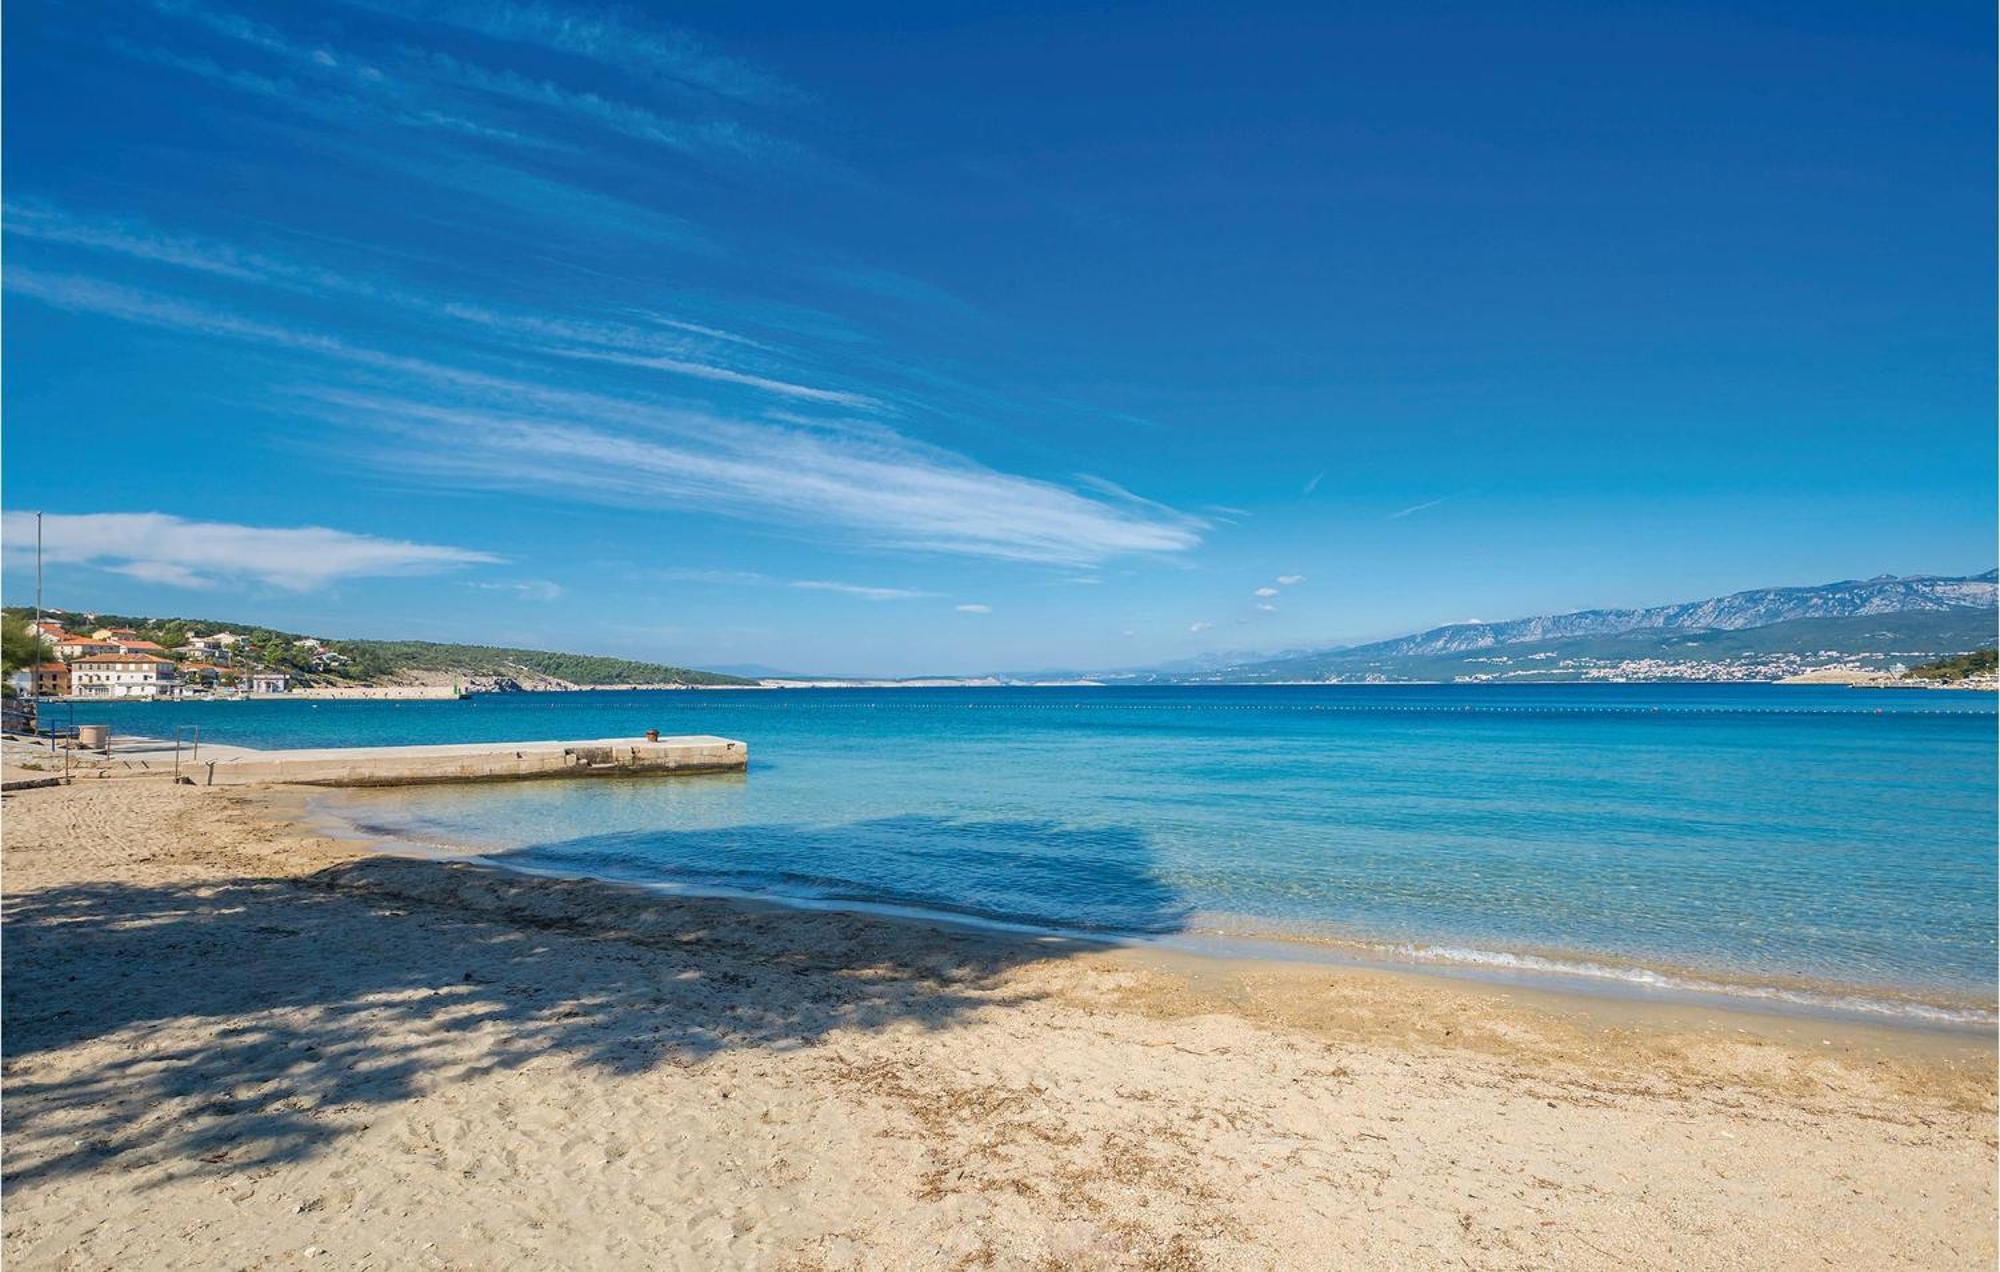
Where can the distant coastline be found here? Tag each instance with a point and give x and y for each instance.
(1922, 631)
(1842, 677)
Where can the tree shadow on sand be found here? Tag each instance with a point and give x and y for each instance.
(240, 1022)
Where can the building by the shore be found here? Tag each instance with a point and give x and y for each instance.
(123, 676)
(50, 680)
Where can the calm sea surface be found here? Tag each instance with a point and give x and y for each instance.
(1822, 846)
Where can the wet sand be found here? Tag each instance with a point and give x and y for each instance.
(231, 1042)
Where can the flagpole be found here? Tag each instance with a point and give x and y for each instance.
(35, 675)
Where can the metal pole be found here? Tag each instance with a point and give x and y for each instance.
(35, 673)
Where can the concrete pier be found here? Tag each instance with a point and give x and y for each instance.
(469, 762)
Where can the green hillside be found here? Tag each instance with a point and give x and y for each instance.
(366, 661)
(1980, 662)
(491, 660)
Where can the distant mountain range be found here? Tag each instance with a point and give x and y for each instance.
(1877, 621)
(1759, 608)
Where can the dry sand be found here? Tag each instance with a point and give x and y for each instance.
(230, 1044)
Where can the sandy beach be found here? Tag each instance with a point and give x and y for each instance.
(231, 1043)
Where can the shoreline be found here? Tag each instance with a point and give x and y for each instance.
(1557, 970)
(434, 693)
(234, 1041)
(1579, 973)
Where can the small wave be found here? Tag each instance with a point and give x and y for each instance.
(1650, 978)
(1441, 957)
(811, 891)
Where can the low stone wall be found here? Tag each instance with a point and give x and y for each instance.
(483, 762)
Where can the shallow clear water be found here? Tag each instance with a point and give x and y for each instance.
(1771, 838)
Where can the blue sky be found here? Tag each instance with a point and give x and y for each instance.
(924, 338)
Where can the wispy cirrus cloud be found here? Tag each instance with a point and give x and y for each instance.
(899, 497)
(725, 375)
(412, 85)
(753, 578)
(134, 238)
(526, 589)
(863, 591)
(161, 548)
(720, 578)
(973, 609)
(82, 294)
(875, 487)
(698, 136)
(1413, 509)
(654, 51)
(685, 349)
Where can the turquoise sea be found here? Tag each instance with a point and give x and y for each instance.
(1822, 847)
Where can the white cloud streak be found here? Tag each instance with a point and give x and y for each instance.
(973, 609)
(1415, 508)
(636, 346)
(864, 592)
(702, 371)
(885, 495)
(41, 221)
(159, 548)
(658, 53)
(688, 136)
(878, 488)
(428, 89)
(526, 589)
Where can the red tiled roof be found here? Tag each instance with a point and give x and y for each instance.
(122, 658)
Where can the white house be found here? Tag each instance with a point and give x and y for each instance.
(212, 648)
(75, 647)
(270, 682)
(122, 676)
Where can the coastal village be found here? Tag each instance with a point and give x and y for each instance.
(58, 655)
(91, 662)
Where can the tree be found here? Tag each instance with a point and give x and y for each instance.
(21, 646)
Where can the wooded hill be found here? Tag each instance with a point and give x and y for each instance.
(372, 661)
